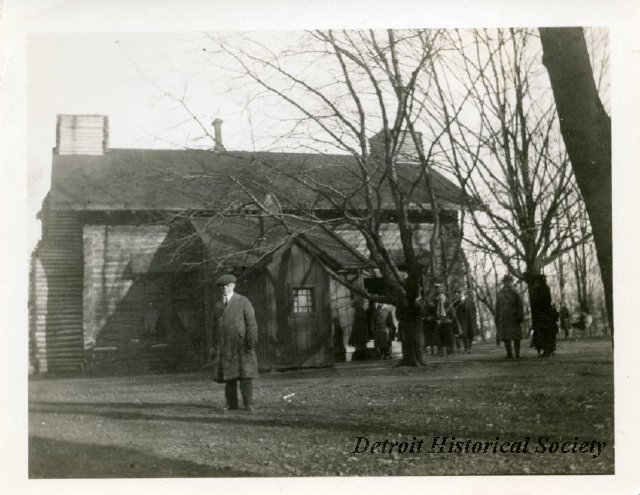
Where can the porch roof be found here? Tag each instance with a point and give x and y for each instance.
(246, 241)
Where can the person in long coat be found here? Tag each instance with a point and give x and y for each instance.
(384, 328)
(235, 335)
(444, 319)
(464, 313)
(509, 316)
(543, 317)
(428, 316)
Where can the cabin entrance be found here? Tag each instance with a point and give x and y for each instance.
(172, 319)
(309, 313)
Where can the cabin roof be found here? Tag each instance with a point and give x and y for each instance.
(247, 241)
(139, 179)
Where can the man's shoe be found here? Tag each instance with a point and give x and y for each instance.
(226, 409)
(250, 409)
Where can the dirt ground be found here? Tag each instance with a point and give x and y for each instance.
(174, 425)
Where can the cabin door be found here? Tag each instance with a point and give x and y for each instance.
(304, 323)
(309, 315)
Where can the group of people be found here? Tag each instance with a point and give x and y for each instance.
(509, 317)
(448, 326)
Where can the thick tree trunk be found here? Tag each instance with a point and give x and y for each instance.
(586, 129)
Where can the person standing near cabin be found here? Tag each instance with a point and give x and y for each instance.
(464, 312)
(428, 306)
(509, 316)
(235, 335)
(384, 328)
(444, 320)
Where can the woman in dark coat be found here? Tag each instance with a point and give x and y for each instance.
(543, 317)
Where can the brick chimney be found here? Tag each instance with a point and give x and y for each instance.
(217, 127)
(82, 134)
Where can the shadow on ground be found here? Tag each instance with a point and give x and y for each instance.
(81, 460)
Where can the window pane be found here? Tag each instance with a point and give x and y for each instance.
(303, 301)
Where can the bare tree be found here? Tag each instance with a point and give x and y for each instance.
(505, 148)
(485, 283)
(586, 129)
(366, 103)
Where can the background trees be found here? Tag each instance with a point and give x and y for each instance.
(505, 147)
(474, 105)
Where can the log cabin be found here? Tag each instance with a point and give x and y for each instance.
(132, 239)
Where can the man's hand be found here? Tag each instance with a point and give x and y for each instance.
(211, 352)
(249, 345)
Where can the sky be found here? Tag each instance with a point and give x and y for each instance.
(123, 76)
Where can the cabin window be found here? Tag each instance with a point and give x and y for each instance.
(303, 301)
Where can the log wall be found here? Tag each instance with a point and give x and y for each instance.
(112, 312)
(90, 311)
(57, 295)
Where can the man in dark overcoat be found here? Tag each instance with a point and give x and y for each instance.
(234, 339)
(509, 316)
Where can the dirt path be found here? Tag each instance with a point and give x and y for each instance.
(173, 425)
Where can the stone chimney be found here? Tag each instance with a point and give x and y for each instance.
(217, 127)
(82, 134)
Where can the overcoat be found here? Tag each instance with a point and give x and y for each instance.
(464, 313)
(428, 312)
(509, 315)
(383, 326)
(544, 317)
(235, 334)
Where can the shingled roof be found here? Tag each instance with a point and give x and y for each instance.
(137, 179)
(245, 241)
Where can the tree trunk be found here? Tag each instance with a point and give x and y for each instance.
(413, 345)
(586, 130)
